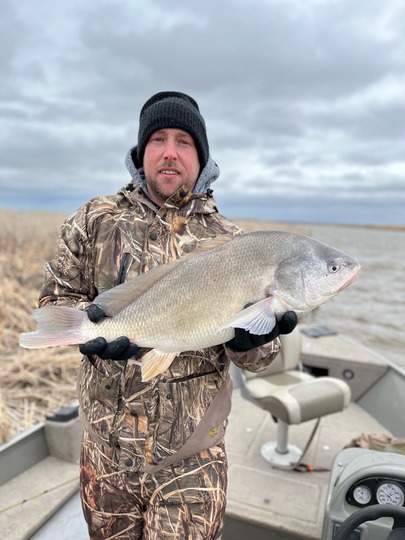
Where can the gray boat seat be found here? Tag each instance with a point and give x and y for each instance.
(293, 397)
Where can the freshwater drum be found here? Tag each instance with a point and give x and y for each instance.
(170, 308)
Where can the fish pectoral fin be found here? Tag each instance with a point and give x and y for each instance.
(156, 362)
(259, 318)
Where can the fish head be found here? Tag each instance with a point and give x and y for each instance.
(309, 279)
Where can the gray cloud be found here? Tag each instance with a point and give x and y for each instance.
(298, 98)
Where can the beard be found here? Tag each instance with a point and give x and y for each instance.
(160, 189)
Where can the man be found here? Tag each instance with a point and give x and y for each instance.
(153, 462)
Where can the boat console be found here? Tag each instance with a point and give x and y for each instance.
(366, 497)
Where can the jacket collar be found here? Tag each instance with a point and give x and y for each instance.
(183, 200)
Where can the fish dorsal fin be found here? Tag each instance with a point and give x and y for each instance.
(116, 299)
(211, 243)
(119, 297)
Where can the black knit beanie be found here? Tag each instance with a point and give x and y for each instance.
(173, 110)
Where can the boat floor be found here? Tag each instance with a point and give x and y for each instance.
(262, 500)
(289, 503)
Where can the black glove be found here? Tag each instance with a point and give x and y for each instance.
(95, 313)
(118, 349)
(244, 340)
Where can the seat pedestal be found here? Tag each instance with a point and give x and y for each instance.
(280, 454)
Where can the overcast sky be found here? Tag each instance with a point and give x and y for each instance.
(304, 100)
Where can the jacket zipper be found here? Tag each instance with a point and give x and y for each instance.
(125, 263)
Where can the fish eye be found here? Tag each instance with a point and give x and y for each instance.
(334, 267)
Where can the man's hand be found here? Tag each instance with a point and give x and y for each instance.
(118, 349)
(244, 340)
(95, 313)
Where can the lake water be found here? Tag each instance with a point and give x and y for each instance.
(372, 309)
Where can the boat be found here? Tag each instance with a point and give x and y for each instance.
(336, 473)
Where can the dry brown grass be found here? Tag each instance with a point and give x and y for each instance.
(33, 383)
(250, 225)
(36, 383)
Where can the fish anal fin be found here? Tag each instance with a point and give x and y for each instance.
(259, 318)
(156, 362)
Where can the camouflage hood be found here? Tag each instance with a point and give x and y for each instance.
(208, 175)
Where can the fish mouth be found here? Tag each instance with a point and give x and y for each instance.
(350, 281)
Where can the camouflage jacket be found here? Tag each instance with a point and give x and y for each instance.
(107, 241)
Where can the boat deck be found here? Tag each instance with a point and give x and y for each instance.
(289, 503)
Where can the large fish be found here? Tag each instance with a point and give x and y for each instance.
(198, 300)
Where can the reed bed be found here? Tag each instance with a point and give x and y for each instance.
(34, 383)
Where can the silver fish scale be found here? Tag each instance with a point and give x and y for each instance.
(184, 309)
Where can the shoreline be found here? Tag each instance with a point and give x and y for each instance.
(303, 224)
(250, 221)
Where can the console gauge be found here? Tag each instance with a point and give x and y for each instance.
(362, 494)
(390, 493)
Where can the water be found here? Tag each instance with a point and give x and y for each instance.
(372, 309)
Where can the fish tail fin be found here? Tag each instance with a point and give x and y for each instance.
(57, 325)
(155, 362)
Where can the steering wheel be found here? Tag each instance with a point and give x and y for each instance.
(371, 513)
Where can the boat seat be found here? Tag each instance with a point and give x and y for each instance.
(293, 397)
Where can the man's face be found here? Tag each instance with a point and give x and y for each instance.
(170, 161)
